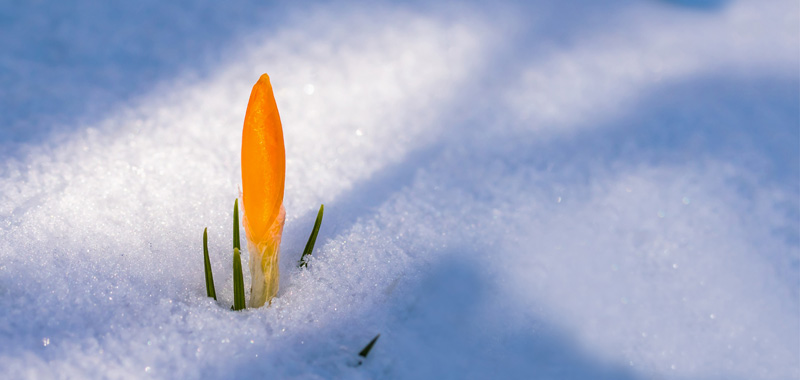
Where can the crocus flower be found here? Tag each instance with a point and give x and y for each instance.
(263, 176)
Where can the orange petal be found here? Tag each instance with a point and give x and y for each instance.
(263, 162)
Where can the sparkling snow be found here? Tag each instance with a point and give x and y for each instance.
(546, 190)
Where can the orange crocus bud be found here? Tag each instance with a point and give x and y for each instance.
(263, 177)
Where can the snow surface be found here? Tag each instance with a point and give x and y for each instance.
(544, 190)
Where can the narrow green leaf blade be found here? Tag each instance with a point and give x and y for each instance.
(236, 225)
(313, 238)
(207, 262)
(238, 281)
(368, 347)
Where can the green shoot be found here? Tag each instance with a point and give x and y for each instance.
(312, 239)
(238, 281)
(368, 347)
(236, 225)
(207, 262)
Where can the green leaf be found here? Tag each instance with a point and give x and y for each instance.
(236, 225)
(207, 262)
(238, 281)
(312, 239)
(368, 348)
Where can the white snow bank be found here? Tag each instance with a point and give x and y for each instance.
(613, 198)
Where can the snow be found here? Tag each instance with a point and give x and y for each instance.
(543, 190)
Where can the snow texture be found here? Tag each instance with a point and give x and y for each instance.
(534, 190)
